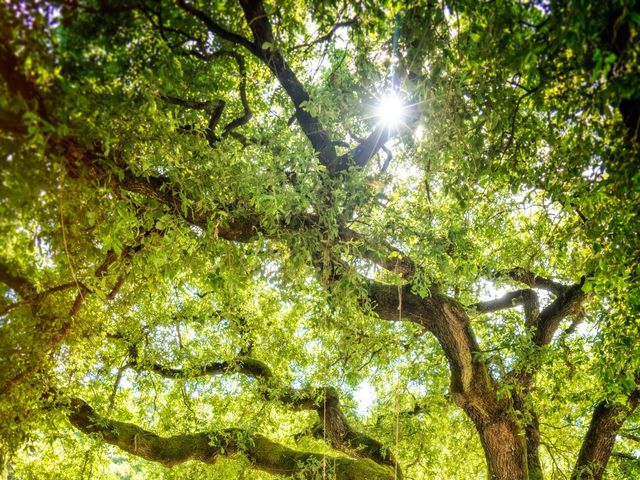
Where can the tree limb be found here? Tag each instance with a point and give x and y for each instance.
(606, 421)
(21, 285)
(215, 28)
(264, 46)
(367, 148)
(324, 400)
(535, 281)
(508, 300)
(630, 436)
(207, 447)
(626, 456)
(568, 302)
(471, 385)
(328, 35)
(53, 330)
(446, 320)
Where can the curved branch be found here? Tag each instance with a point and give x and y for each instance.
(243, 364)
(246, 116)
(472, 387)
(324, 401)
(569, 302)
(447, 321)
(535, 281)
(215, 28)
(207, 447)
(327, 36)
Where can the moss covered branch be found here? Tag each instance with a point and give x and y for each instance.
(207, 447)
(324, 400)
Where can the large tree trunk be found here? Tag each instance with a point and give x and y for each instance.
(472, 387)
(504, 449)
(606, 421)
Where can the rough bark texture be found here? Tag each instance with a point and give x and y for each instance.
(509, 453)
(207, 447)
(334, 425)
(504, 449)
(532, 436)
(472, 387)
(606, 421)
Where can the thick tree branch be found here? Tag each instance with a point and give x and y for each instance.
(367, 148)
(325, 401)
(535, 281)
(264, 46)
(606, 421)
(472, 387)
(12, 122)
(568, 302)
(448, 322)
(207, 447)
(243, 364)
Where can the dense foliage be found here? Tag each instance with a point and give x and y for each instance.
(217, 255)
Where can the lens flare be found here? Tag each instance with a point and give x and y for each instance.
(391, 110)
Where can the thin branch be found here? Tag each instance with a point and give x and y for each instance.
(326, 37)
(217, 29)
(630, 436)
(215, 108)
(387, 160)
(162, 29)
(626, 456)
(246, 116)
(49, 339)
(381, 253)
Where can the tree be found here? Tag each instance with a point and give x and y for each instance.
(219, 257)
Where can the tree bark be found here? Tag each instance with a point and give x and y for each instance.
(472, 387)
(504, 449)
(265, 454)
(606, 421)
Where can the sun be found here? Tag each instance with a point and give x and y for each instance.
(391, 110)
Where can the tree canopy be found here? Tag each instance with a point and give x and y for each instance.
(222, 257)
